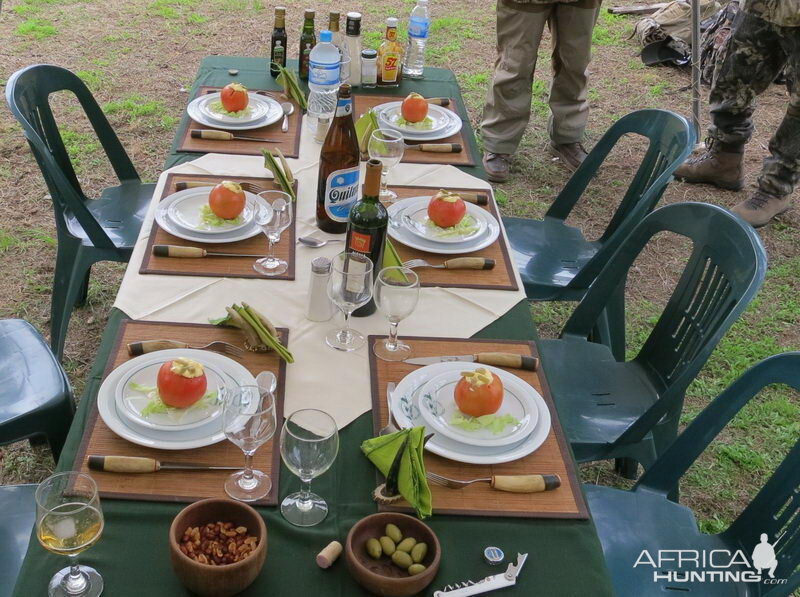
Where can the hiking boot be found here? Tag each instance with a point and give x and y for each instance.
(758, 209)
(714, 166)
(570, 154)
(496, 165)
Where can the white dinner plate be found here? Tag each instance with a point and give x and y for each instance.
(454, 125)
(131, 401)
(185, 212)
(392, 114)
(415, 219)
(163, 220)
(400, 233)
(438, 407)
(258, 109)
(274, 114)
(189, 439)
(405, 409)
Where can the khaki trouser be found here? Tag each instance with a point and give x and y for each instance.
(508, 104)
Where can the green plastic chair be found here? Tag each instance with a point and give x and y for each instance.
(556, 262)
(612, 408)
(629, 522)
(88, 230)
(35, 402)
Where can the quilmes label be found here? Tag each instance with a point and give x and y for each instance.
(418, 27)
(344, 106)
(341, 191)
(321, 73)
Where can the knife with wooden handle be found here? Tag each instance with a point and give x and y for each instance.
(137, 464)
(439, 101)
(497, 359)
(193, 252)
(216, 135)
(469, 263)
(468, 196)
(525, 483)
(435, 147)
(141, 347)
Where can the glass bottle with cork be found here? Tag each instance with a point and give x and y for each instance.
(390, 57)
(277, 51)
(366, 231)
(338, 181)
(308, 40)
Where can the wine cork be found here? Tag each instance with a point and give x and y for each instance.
(329, 555)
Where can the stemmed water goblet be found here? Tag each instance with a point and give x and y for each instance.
(387, 146)
(349, 287)
(309, 445)
(248, 420)
(396, 295)
(69, 521)
(272, 222)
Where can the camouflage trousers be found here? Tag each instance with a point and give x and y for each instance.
(756, 53)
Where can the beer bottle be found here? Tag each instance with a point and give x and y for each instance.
(366, 232)
(390, 57)
(307, 42)
(277, 51)
(338, 182)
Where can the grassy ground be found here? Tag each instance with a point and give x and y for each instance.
(139, 57)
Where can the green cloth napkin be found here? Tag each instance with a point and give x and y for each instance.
(413, 483)
(390, 256)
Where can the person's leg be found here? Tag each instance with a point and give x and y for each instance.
(572, 51)
(508, 104)
(781, 171)
(753, 58)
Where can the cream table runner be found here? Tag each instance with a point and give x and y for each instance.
(321, 377)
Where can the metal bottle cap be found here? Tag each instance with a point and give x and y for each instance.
(493, 556)
(369, 54)
(320, 265)
(391, 22)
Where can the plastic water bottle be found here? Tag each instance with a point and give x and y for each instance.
(323, 78)
(418, 24)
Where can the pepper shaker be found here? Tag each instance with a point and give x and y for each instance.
(320, 307)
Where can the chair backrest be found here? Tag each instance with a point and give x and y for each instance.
(670, 140)
(28, 95)
(725, 270)
(776, 509)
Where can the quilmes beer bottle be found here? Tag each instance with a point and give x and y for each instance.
(307, 42)
(366, 232)
(338, 183)
(277, 51)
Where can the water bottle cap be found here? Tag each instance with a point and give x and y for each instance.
(422, 2)
(325, 36)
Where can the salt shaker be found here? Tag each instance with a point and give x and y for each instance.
(369, 68)
(320, 307)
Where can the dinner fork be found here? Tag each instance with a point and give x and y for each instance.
(512, 483)
(455, 263)
(193, 184)
(146, 346)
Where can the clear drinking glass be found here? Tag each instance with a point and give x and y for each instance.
(396, 296)
(387, 146)
(248, 419)
(272, 224)
(68, 521)
(349, 287)
(309, 444)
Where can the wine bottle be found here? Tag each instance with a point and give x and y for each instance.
(277, 53)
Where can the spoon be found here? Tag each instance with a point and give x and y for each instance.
(316, 243)
(288, 109)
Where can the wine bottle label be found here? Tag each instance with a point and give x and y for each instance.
(321, 73)
(360, 242)
(418, 27)
(279, 54)
(341, 191)
(344, 106)
(355, 281)
(391, 62)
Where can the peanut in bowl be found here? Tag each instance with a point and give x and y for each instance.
(217, 547)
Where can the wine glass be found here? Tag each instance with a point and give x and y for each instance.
(387, 146)
(349, 287)
(248, 419)
(68, 521)
(309, 444)
(272, 223)
(396, 295)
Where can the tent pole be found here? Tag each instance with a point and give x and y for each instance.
(696, 66)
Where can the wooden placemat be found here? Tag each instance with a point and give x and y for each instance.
(180, 486)
(216, 267)
(362, 103)
(501, 277)
(288, 142)
(479, 499)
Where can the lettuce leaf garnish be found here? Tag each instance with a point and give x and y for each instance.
(157, 406)
(465, 227)
(209, 218)
(216, 106)
(424, 125)
(494, 423)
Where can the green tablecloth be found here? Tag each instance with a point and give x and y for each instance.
(565, 556)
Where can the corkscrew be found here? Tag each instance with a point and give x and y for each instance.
(490, 583)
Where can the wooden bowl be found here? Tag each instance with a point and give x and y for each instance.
(382, 577)
(217, 581)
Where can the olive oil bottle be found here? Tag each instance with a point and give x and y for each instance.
(308, 40)
(277, 51)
